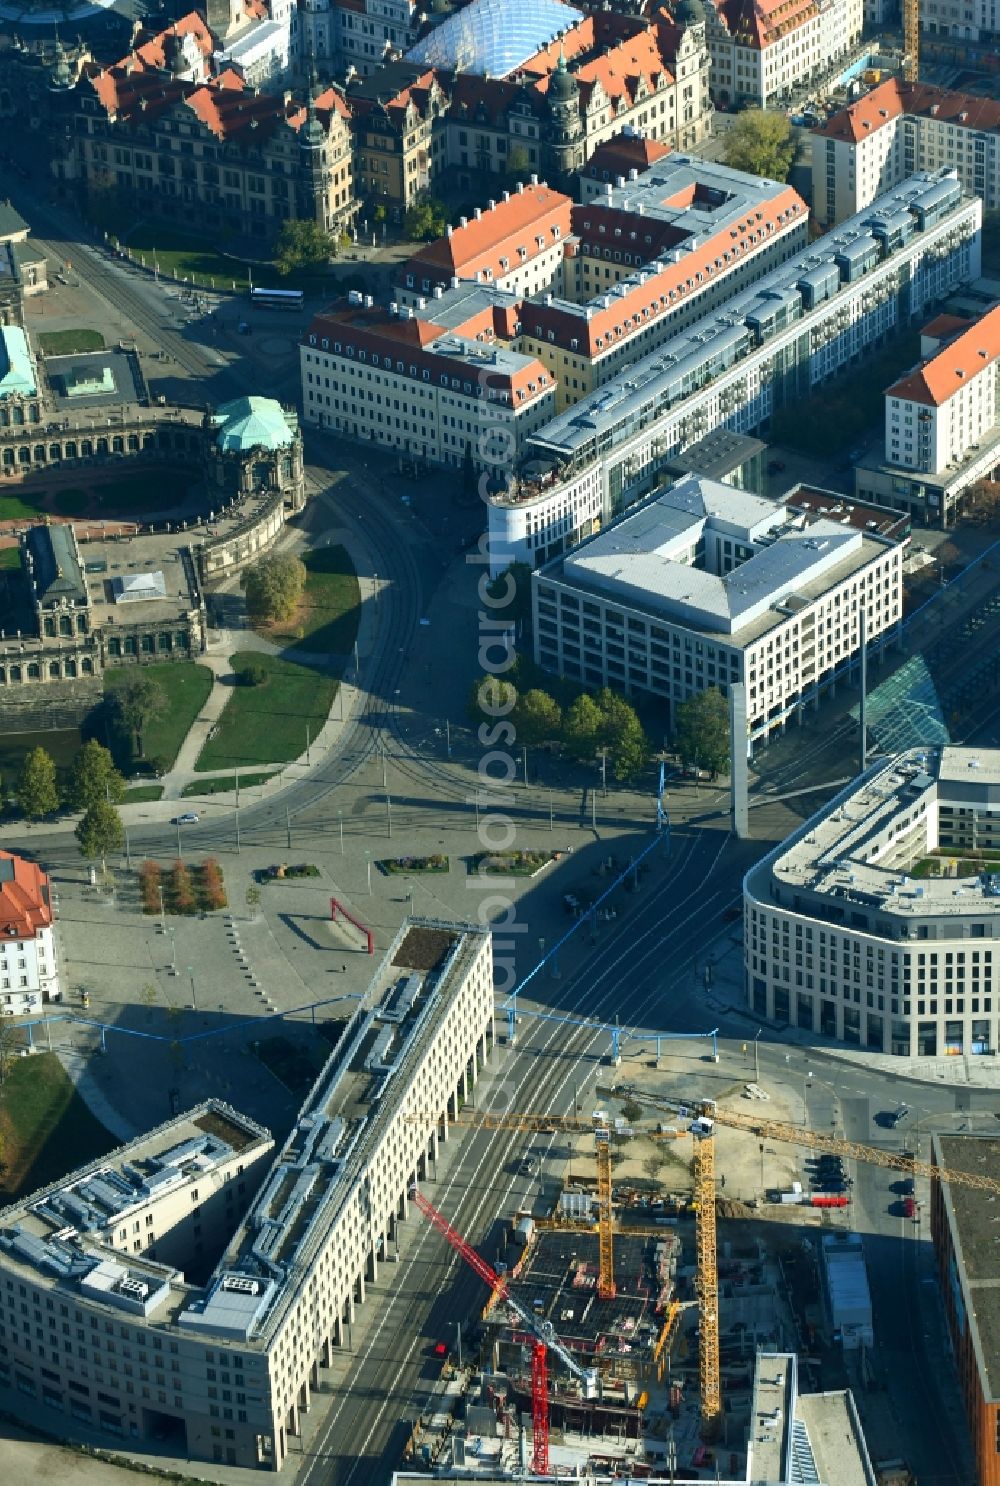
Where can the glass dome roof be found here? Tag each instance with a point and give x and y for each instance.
(493, 37)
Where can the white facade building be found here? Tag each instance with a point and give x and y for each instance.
(766, 51)
(705, 585)
(766, 348)
(897, 128)
(405, 381)
(29, 972)
(97, 1319)
(841, 939)
(949, 404)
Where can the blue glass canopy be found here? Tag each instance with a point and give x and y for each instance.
(493, 37)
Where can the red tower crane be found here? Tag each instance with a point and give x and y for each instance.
(542, 1335)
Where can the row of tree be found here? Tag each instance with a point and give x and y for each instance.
(94, 786)
(588, 727)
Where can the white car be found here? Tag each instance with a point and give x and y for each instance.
(189, 818)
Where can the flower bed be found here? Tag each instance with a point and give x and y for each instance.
(283, 872)
(185, 889)
(435, 863)
(513, 863)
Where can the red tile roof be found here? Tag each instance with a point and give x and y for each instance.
(598, 329)
(943, 327)
(623, 153)
(893, 98)
(25, 905)
(377, 332)
(223, 105)
(150, 48)
(497, 235)
(954, 366)
(760, 23)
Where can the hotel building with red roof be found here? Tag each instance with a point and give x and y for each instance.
(29, 973)
(881, 138)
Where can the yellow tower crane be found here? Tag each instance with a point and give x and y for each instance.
(605, 1220)
(911, 40)
(704, 1115)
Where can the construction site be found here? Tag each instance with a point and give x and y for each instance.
(669, 1248)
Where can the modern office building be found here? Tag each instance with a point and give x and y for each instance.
(874, 922)
(879, 140)
(767, 348)
(29, 971)
(705, 585)
(186, 1288)
(963, 1230)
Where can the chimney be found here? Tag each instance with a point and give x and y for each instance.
(506, 196)
(449, 230)
(463, 221)
(492, 206)
(454, 281)
(520, 188)
(479, 214)
(633, 175)
(534, 180)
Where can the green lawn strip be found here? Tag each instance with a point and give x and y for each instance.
(331, 607)
(69, 342)
(10, 559)
(225, 783)
(268, 724)
(184, 255)
(186, 687)
(62, 746)
(21, 507)
(141, 792)
(47, 1130)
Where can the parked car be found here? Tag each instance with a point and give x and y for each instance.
(189, 818)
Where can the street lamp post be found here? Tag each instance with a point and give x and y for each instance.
(756, 1055)
(194, 999)
(163, 916)
(388, 815)
(340, 821)
(368, 869)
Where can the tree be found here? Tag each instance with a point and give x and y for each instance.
(632, 1111)
(251, 673)
(253, 901)
(99, 831)
(9, 1043)
(491, 699)
(274, 586)
(623, 735)
(654, 1164)
(518, 163)
(302, 244)
(760, 142)
(425, 220)
(581, 728)
(94, 779)
(135, 703)
(537, 718)
(37, 792)
(702, 732)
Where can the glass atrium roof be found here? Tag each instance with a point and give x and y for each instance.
(493, 37)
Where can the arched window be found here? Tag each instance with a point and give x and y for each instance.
(54, 671)
(34, 671)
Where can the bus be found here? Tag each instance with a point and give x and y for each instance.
(276, 299)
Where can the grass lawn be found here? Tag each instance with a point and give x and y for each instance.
(10, 559)
(68, 342)
(185, 255)
(45, 1127)
(267, 724)
(186, 687)
(327, 618)
(62, 747)
(141, 792)
(224, 783)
